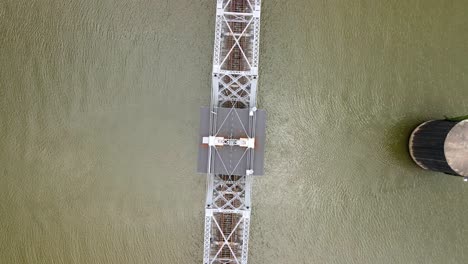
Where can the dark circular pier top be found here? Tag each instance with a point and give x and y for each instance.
(456, 148)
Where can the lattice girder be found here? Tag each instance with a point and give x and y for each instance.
(234, 83)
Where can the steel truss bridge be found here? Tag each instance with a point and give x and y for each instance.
(232, 144)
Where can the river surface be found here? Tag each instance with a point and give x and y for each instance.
(99, 128)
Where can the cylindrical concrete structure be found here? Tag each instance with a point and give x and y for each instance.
(441, 145)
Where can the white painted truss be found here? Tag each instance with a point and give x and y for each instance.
(235, 57)
(234, 85)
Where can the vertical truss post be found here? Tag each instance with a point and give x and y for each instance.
(245, 246)
(207, 237)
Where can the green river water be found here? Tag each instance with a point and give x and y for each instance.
(99, 131)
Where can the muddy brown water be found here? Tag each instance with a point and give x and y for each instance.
(99, 120)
